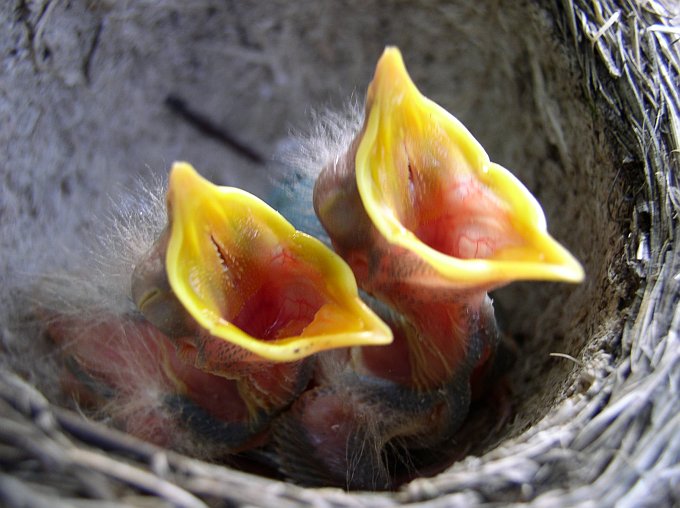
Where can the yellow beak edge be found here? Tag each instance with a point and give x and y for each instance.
(231, 259)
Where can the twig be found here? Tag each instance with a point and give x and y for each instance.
(206, 126)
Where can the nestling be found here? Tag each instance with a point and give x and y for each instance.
(230, 302)
(428, 225)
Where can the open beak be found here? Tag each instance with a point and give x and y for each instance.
(247, 277)
(429, 187)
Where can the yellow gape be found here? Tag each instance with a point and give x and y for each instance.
(248, 277)
(429, 187)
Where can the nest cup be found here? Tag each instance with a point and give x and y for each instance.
(579, 99)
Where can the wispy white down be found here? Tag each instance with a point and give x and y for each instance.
(107, 257)
(330, 133)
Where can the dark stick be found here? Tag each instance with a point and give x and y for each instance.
(208, 127)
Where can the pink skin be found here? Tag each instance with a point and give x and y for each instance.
(134, 363)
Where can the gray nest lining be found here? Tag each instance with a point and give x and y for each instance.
(578, 98)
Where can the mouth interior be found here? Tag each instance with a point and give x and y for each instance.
(458, 216)
(282, 297)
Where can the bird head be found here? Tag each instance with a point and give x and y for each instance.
(429, 187)
(232, 278)
(434, 199)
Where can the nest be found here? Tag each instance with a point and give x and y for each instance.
(578, 98)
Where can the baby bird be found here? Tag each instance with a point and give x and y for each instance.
(428, 225)
(230, 304)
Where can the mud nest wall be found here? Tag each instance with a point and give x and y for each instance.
(579, 99)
